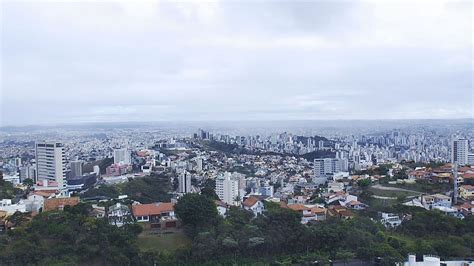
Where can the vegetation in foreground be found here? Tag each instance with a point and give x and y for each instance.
(73, 237)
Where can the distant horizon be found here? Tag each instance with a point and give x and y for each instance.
(226, 121)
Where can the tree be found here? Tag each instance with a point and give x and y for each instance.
(196, 210)
(363, 183)
(28, 182)
(208, 189)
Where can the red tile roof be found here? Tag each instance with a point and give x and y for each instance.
(152, 208)
(59, 203)
(250, 201)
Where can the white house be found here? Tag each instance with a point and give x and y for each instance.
(7, 206)
(254, 204)
(34, 203)
(390, 220)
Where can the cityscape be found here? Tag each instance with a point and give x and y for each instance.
(138, 174)
(161, 132)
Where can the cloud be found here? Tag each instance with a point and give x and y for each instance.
(236, 60)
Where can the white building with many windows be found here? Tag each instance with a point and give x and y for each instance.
(227, 188)
(50, 162)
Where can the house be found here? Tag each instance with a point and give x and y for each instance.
(390, 220)
(419, 174)
(34, 203)
(7, 206)
(98, 211)
(356, 205)
(340, 212)
(158, 215)
(335, 186)
(309, 212)
(222, 208)
(466, 192)
(432, 260)
(119, 214)
(300, 199)
(465, 208)
(254, 204)
(59, 203)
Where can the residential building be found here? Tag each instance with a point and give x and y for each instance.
(7, 206)
(76, 168)
(390, 220)
(184, 183)
(50, 162)
(118, 169)
(309, 212)
(459, 151)
(327, 166)
(119, 214)
(470, 159)
(122, 156)
(433, 260)
(466, 192)
(54, 204)
(227, 188)
(254, 204)
(158, 215)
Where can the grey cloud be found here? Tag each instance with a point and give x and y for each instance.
(232, 60)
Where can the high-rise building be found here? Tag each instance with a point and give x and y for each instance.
(26, 172)
(122, 156)
(199, 164)
(459, 151)
(50, 162)
(76, 168)
(470, 159)
(321, 144)
(227, 188)
(184, 183)
(326, 166)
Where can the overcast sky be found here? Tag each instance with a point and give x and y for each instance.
(235, 60)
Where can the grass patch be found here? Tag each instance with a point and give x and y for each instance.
(424, 187)
(151, 240)
(392, 193)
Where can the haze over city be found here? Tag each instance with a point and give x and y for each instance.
(114, 61)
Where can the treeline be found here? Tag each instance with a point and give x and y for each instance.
(279, 236)
(70, 237)
(73, 237)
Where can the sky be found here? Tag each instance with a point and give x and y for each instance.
(117, 61)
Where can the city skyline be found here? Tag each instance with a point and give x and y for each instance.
(192, 61)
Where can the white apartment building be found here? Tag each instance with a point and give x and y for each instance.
(326, 166)
(122, 156)
(50, 162)
(184, 183)
(227, 188)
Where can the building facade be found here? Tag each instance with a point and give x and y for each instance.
(50, 162)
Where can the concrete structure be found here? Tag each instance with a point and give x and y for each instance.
(76, 168)
(227, 188)
(10, 208)
(159, 214)
(390, 220)
(122, 156)
(50, 162)
(184, 183)
(327, 166)
(433, 260)
(470, 159)
(459, 151)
